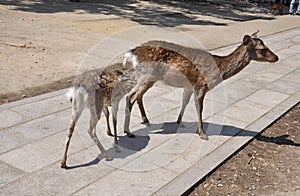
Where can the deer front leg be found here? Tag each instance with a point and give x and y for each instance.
(185, 100)
(199, 97)
(142, 110)
(106, 113)
(136, 94)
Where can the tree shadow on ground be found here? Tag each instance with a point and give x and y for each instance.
(157, 12)
(133, 145)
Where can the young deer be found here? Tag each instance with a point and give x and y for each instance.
(96, 90)
(194, 70)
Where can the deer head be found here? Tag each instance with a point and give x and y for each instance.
(258, 51)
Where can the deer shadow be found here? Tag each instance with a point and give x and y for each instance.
(129, 146)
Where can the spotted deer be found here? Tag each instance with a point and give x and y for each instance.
(195, 70)
(96, 90)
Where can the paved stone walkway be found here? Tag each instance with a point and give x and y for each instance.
(163, 159)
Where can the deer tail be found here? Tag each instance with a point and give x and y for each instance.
(71, 94)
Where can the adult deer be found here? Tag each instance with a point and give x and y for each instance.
(195, 70)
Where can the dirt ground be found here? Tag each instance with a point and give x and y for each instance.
(42, 44)
(268, 165)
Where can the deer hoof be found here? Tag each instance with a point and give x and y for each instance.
(145, 121)
(130, 134)
(204, 137)
(181, 125)
(146, 124)
(110, 134)
(116, 146)
(109, 158)
(64, 166)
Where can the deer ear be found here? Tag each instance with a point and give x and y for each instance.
(254, 35)
(247, 39)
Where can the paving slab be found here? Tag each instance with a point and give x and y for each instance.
(164, 158)
(9, 173)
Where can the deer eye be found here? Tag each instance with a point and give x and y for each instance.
(263, 52)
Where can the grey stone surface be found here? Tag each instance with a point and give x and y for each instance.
(267, 98)
(284, 86)
(32, 99)
(248, 84)
(9, 118)
(228, 95)
(246, 111)
(293, 76)
(164, 158)
(31, 131)
(42, 107)
(122, 182)
(41, 153)
(52, 180)
(267, 75)
(9, 174)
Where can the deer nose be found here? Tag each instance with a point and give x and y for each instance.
(276, 59)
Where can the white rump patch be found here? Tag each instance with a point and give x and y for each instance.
(130, 57)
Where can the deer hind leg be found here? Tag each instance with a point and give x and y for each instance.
(76, 112)
(94, 117)
(199, 97)
(136, 94)
(185, 100)
(106, 113)
(141, 104)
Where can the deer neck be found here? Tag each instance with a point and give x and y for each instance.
(233, 63)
